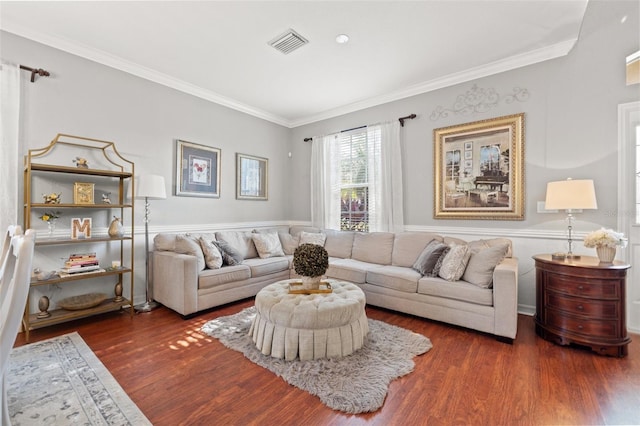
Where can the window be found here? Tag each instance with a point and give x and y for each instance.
(354, 181)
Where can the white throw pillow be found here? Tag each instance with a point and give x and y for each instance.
(455, 262)
(212, 256)
(268, 245)
(312, 238)
(289, 242)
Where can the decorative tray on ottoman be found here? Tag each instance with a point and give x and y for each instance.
(84, 301)
(296, 288)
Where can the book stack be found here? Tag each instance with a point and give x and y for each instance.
(81, 262)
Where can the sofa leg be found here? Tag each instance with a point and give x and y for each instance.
(503, 339)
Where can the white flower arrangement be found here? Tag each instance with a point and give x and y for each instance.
(605, 238)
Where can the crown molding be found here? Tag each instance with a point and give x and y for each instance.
(133, 68)
(507, 64)
(104, 58)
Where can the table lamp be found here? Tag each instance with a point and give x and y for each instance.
(148, 187)
(570, 195)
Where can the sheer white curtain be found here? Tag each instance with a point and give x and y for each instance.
(10, 160)
(384, 179)
(325, 182)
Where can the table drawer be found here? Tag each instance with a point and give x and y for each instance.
(586, 307)
(594, 289)
(593, 328)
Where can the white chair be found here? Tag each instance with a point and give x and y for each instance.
(15, 283)
(4, 261)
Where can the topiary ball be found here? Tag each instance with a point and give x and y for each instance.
(310, 260)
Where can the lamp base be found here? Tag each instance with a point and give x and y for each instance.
(147, 306)
(565, 256)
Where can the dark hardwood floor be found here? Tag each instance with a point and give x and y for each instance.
(179, 376)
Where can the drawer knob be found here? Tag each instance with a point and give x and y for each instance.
(580, 308)
(580, 287)
(580, 327)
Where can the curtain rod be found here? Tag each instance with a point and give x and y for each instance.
(401, 120)
(34, 71)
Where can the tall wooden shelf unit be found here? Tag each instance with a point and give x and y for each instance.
(105, 167)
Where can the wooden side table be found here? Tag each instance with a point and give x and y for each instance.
(582, 301)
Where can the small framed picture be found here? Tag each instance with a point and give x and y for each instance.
(80, 228)
(251, 177)
(468, 146)
(197, 170)
(83, 193)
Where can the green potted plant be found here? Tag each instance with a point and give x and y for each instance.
(310, 261)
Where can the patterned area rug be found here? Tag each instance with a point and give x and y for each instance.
(354, 384)
(60, 381)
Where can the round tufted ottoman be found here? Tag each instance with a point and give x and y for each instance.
(309, 326)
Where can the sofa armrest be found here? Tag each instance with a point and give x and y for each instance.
(505, 297)
(175, 281)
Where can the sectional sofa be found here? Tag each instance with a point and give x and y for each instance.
(476, 290)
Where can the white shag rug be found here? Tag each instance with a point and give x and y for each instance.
(60, 381)
(354, 384)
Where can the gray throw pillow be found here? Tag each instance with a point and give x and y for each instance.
(429, 257)
(436, 269)
(230, 256)
(482, 263)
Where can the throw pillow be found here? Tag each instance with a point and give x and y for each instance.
(190, 246)
(436, 269)
(455, 262)
(429, 257)
(481, 265)
(289, 242)
(212, 256)
(268, 245)
(230, 256)
(312, 238)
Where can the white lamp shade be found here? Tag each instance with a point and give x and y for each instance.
(571, 195)
(151, 187)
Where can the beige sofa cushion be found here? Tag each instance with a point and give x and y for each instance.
(297, 229)
(190, 245)
(394, 277)
(288, 242)
(373, 247)
(481, 264)
(260, 267)
(215, 277)
(267, 244)
(353, 271)
(242, 241)
(312, 238)
(339, 243)
(407, 246)
(458, 290)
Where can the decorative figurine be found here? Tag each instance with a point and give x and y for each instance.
(81, 163)
(105, 198)
(52, 198)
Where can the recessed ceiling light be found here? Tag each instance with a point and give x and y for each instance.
(342, 38)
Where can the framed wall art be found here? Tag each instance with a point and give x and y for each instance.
(490, 185)
(197, 170)
(83, 193)
(252, 175)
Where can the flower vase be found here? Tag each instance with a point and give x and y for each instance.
(311, 283)
(606, 253)
(51, 224)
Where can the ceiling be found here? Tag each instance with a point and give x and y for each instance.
(219, 50)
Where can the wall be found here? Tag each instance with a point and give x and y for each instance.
(570, 131)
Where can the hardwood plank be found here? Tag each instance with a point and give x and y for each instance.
(180, 376)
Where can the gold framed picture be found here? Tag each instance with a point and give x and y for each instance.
(479, 170)
(83, 193)
(252, 174)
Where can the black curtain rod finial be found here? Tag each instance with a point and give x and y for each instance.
(308, 139)
(408, 117)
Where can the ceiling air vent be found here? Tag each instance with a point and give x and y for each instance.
(288, 42)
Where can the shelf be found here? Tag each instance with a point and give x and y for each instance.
(78, 206)
(79, 171)
(95, 239)
(81, 276)
(62, 315)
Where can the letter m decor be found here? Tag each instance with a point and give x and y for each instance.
(80, 228)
